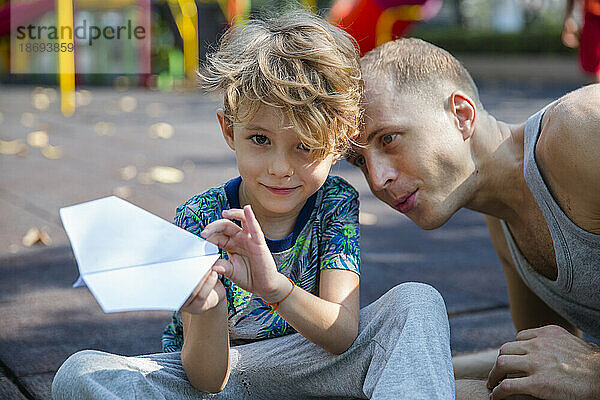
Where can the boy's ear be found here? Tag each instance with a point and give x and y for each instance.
(464, 113)
(226, 128)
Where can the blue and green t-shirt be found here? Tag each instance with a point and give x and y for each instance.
(325, 236)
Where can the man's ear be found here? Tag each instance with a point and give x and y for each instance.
(464, 111)
(226, 128)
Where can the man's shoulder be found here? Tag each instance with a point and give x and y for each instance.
(569, 145)
(572, 122)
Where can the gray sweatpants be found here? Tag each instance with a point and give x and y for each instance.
(402, 352)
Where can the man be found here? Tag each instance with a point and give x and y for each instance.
(429, 148)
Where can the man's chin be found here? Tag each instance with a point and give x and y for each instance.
(428, 221)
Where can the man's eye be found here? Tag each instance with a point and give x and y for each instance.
(303, 147)
(260, 140)
(387, 139)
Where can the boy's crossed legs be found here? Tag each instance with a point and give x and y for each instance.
(402, 352)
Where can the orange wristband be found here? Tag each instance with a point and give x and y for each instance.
(275, 305)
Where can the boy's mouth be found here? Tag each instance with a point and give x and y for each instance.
(281, 190)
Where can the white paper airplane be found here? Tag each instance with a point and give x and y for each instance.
(131, 259)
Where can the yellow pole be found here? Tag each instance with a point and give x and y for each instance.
(189, 34)
(66, 58)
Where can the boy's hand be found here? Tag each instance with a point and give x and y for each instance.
(207, 294)
(250, 265)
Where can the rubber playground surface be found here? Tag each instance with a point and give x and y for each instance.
(157, 150)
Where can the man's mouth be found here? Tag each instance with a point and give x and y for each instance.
(406, 203)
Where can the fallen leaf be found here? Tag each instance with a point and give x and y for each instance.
(123, 192)
(365, 218)
(52, 152)
(35, 235)
(128, 173)
(166, 174)
(27, 120)
(127, 104)
(31, 237)
(188, 166)
(83, 97)
(161, 130)
(38, 139)
(145, 178)
(51, 93)
(13, 147)
(40, 101)
(104, 128)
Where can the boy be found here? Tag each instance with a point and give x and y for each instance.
(291, 95)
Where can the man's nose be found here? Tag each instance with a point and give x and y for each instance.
(381, 172)
(279, 165)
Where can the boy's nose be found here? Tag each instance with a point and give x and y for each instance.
(279, 166)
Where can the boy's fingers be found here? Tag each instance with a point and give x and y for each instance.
(253, 225)
(208, 286)
(235, 213)
(223, 267)
(224, 226)
(195, 292)
(219, 240)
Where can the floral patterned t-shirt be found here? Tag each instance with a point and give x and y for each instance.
(325, 236)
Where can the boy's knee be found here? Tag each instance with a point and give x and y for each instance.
(68, 379)
(417, 296)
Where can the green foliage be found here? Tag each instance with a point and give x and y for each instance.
(545, 39)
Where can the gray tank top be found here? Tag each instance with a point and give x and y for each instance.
(575, 294)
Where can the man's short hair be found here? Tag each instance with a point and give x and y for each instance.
(298, 63)
(413, 64)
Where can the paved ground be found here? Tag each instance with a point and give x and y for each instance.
(43, 320)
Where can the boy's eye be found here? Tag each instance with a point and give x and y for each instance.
(359, 161)
(387, 139)
(303, 147)
(260, 140)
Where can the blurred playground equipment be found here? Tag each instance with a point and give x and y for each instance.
(374, 22)
(193, 26)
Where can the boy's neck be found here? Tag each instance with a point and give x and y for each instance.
(274, 226)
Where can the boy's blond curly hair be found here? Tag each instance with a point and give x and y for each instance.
(298, 63)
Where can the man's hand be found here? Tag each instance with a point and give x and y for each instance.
(547, 363)
(250, 265)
